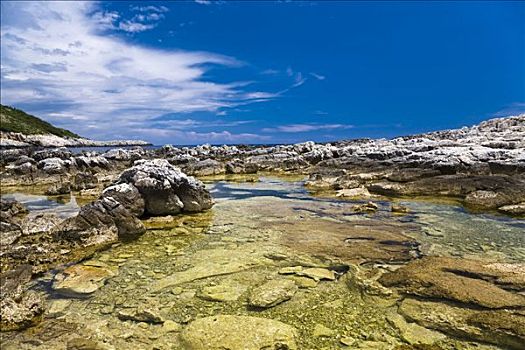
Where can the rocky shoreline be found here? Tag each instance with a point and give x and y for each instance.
(483, 166)
(17, 140)
(367, 251)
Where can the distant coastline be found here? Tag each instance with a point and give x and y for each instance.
(19, 140)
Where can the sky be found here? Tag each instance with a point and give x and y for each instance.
(191, 72)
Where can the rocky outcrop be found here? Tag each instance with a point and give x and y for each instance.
(483, 165)
(19, 308)
(165, 189)
(99, 224)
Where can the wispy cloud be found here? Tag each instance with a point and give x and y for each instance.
(512, 109)
(58, 61)
(318, 76)
(296, 128)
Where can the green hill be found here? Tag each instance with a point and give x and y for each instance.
(15, 120)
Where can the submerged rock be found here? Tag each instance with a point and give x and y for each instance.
(501, 327)
(318, 273)
(222, 292)
(272, 293)
(140, 314)
(365, 208)
(238, 332)
(400, 209)
(79, 280)
(466, 281)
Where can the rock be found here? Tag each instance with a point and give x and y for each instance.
(19, 308)
(40, 223)
(60, 153)
(238, 332)
(80, 280)
(141, 314)
(10, 208)
(170, 326)
(318, 273)
(24, 168)
(165, 189)
(206, 167)
(365, 208)
(54, 165)
(305, 282)
(358, 192)
(290, 270)
(84, 181)
(100, 223)
(11, 217)
(128, 196)
(240, 167)
(411, 174)
(322, 331)
(59, 189)
(84, 344)
(222, 292)
(9, 233)
(466, 281)
(515, 209)
(209, 263)
(505, 328)
(57, 307)
(486, 199)
(400, 209)
(347, 341)
(91, 162)
(121, 154)
(272, 293)
(412, 333)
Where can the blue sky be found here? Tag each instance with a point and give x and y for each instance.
(262, 72)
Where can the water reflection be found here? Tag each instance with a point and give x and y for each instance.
(62, 206)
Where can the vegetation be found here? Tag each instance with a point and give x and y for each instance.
(15, 120)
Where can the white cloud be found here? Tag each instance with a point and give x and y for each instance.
(158, 9)
(63, 65)
(135, 27)
(318, 76)
(296, 128)
(203, 2)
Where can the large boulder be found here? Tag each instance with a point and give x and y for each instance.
(165, 188)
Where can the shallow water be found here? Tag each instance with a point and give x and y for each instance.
(254, 230)
(62, 206)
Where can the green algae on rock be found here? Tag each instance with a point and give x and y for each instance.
(238, 332)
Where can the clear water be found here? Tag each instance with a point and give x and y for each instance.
(254, 230)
